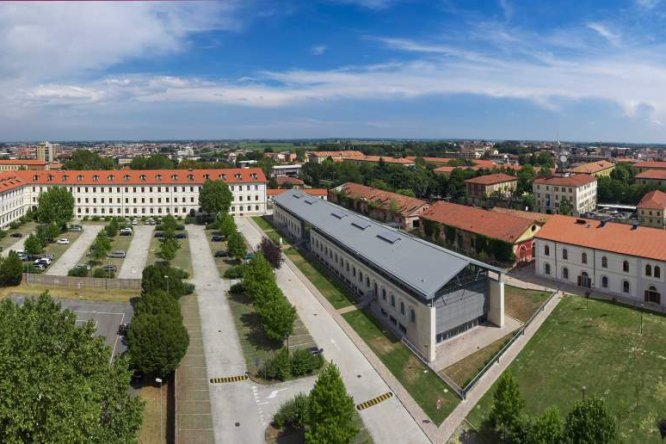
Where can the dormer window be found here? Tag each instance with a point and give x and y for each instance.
(126, 178)
(95, 178)
(254, 175)
(35, 178)
(158, 178)
(142, 178)
(110, 177)
(190, 177)
(49, 178)
(65, 178)
(174, 177)
(223, 176)
(237, 175)
(79, 178)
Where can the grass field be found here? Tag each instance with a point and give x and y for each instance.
(464, 370)
(88, 294)
(601, 348)
(153, 429)
(183, 259)
(521, 304)
(421, 382)
(25, 230)
(56, 249)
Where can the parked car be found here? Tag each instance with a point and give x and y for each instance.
(217, 238)
(135, 222)
(44, 255)
(86, 266)
(110, 268)
(315, 350)
(63, 241)
(75, 228)
(221, 253)
(117, 254)
(181, 235)
(39, 266)
(126, 231)
(43, 261)
(159, 234)
(17, 234)
(122, 329)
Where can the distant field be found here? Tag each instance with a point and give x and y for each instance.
(275, 146)
(601, 348)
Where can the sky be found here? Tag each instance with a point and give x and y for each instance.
(577, 70)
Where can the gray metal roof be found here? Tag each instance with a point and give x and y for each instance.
(421, 265)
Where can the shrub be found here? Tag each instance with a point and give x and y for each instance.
(30, 268)
(279, 367)
(14, 225)
(78, 272)
(99, 273)
(11, 270)
(95, 218)
(86, 218)
(303, 362)
(153, 279)
(235, 272)
(237, 288)
(292, 414)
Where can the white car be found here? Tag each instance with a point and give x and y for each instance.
(63, 241)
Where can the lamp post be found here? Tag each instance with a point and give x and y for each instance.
(642, 306)
(159, 381)
(584, 389)
(167, 281)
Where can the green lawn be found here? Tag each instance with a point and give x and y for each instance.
(56, 249)
(183, 259)
(24, 229)
(267, 227)
(599, 347)
(421, 382)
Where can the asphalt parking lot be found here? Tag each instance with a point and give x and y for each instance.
(106, 316)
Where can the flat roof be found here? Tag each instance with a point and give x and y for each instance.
(421, 265)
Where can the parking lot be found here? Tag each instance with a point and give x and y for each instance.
(106, 317)
(75, 252)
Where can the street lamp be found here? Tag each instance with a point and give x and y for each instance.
(159, 381)
(167, 281)
(584, 389)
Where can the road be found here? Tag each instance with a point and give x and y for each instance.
(137, 253)
(16, 246)
(236, 416)
(387, 421)
(75, 251)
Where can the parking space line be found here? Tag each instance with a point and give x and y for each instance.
(113, 352)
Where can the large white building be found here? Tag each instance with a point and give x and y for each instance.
(423, 293)
(131, 193)
(616, 259)
(579, 189)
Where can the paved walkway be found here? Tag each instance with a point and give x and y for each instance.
(364, 375)
(137, 254)
(19, 245)
(75, 251)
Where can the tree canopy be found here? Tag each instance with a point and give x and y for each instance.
(215, 197)
(590, 422)
(157, 343)
(57, 380)
(55, 205)
(88, 160)
(236, 245)
(154, 162)
(11, 269)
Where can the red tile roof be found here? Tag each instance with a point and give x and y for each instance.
(593, 167)
(652, 174)
(10, 181)
(141, 177)
(529, 215)
(615, 238)
(334, 154)
(377, 159)
(492, 179)
(505, 227)
(310, 191)
(383, 199)
(574, 180)
(651, 165)
(282, 180)
(433, 160)
(23, 162)
(653, 200)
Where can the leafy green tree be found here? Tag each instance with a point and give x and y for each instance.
(154, 162)
(101, 246)
(53, 231)
(566, 207)
(11, 270)
(60, 383)
(88, 160)
(157, 302)
(157, 343)
(277, 317)
(256, 273)
(33, 245)
(545, 429)
(272, 251)
(169, 247)
(112, 228)
(529, 201)
(215, 197)
(153, 279)
(236, 245)
(505, 414)
(590, 422)
(331, 412)
(293, 413)
(227, 225)
(55, 205)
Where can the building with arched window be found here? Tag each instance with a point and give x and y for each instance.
(621, 260)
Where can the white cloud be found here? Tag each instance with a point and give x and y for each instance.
(370, 4)
(318, 50)
(612, 37)
(647, 4)
(507, 9)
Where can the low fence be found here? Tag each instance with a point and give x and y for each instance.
(81, 282)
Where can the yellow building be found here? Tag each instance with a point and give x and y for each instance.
(600, 168)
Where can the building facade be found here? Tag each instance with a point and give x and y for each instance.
(23, 164)
(46, 151)
(615, 259)
(482, 187)
(656, 177)
(424, 294)
(601, 168)
(579, 190)
(652, 209)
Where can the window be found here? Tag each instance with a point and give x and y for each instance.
(402, 308)
(648, 270)
(625, 266)
(604, 262)
(384, 293)
(412, 315)
(583, 258)
(565, 254)
(392, 300)
(546, 251)
(604, 281)
(657, 272)
(565, 273)
(546, 268)
(625, 286)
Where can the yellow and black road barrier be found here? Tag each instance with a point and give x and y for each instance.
(226, 379)
(374, 401)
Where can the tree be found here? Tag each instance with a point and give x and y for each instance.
(169, 247)
(153, 279)
(227, 225)
(529, 201)
(61, 384)
(236, 245)
(215, 197)
(154, 162)
(505, 414)
(101, 246)
(331, 412)
(52, 231)
(277, 317)
(256, 273)
(590, 423)
(157, 343)
(88, 160)
(158, 302)
(55, 205)
(271, 251)
(545, 429)
(566, 207)
(33, 245)
(11, 270)
(112, 228)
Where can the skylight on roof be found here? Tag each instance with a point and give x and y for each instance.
(310, 200)
(339, 214)
(362, 224)
(389, 236)
(297, 196)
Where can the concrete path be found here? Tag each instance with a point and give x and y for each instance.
(236, 418)
(75, 251)
(137, 254)
(387, 422)
(19, 245)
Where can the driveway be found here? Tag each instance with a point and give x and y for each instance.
(16, 246)
(387, 421)
(75, 252)
(137, 254)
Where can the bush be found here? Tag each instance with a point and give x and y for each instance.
(237, 288)
(303, 362)
(11, 270)
(235, 272)
(292, 414)
(14, 225)
(78, 272)
(279, 367)
(95, 218)
(153, 280)
(30, 268)
(86, 218)
(99, 273)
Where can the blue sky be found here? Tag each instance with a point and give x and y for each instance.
(503, 69)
